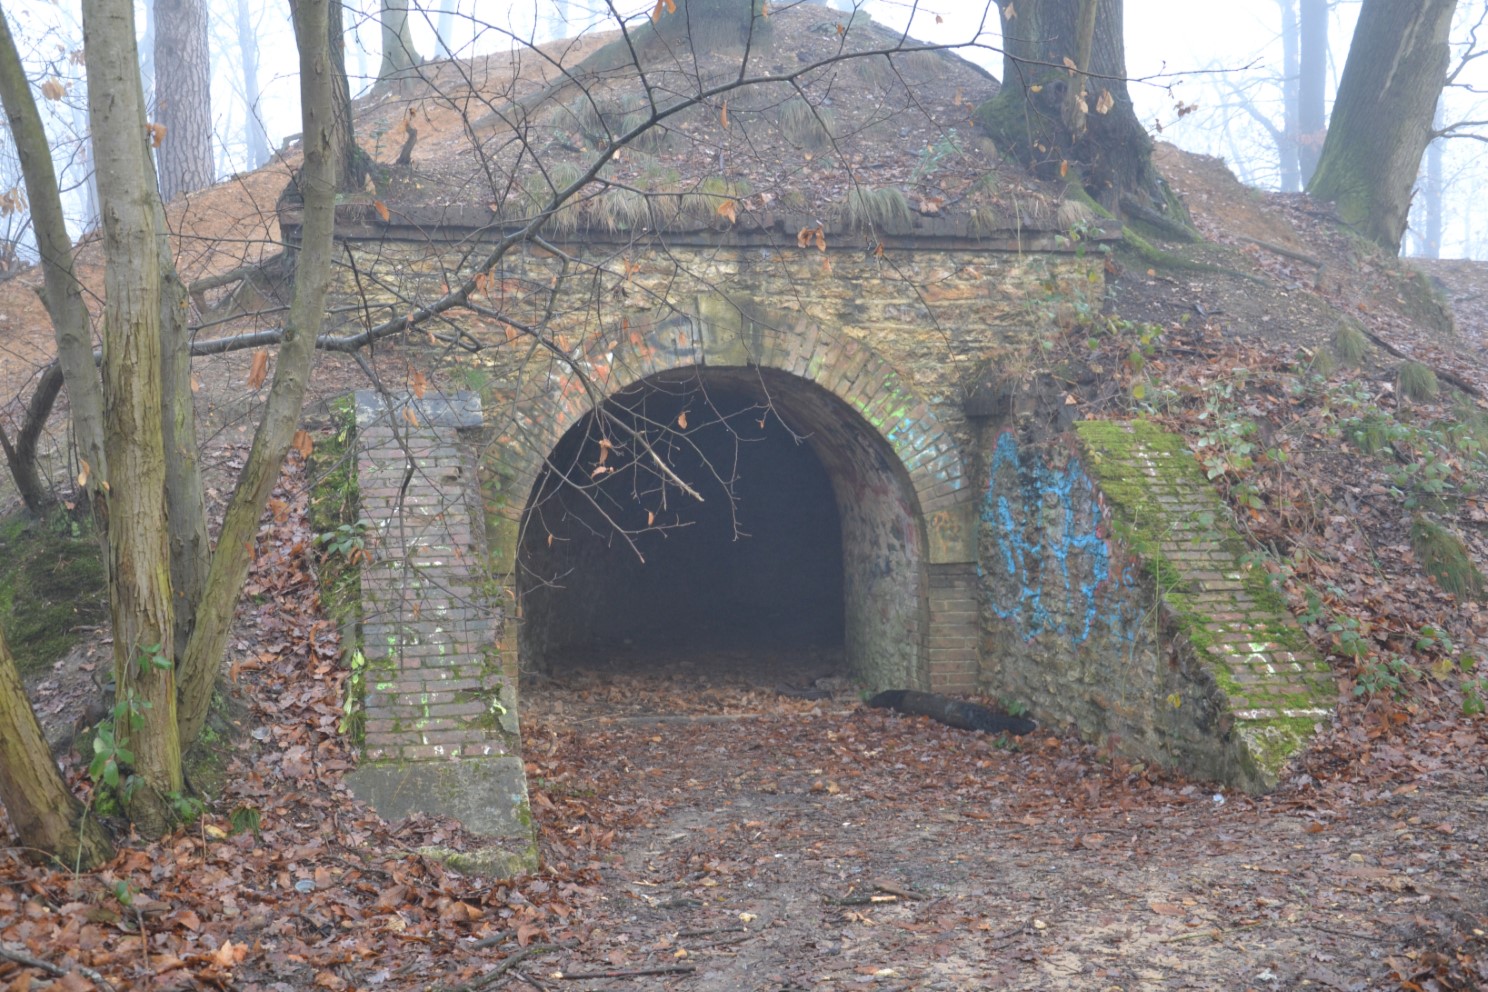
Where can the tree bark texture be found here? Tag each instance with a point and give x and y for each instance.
(1312, 77)
(1397, 65)
(352, 164)
(183, 102)
(1031, 114)
(204, 652)
(36, 492)
(138, 558)
(185, 498)
(49, 820)
(398, 55)
(63, 293)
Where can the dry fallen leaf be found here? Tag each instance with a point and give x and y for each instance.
(260, 369)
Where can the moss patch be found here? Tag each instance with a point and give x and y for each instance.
(335, 503)
(52, 584)
(1165, 511)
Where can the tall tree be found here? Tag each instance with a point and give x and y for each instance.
(398, 53)
(183, 103)
(352, 164)
(144, 387)
(1396, 68)
(255, 138)
(1312, 77)
(1064, 110)
(140, 603)
(202, 659)
(1287, 148)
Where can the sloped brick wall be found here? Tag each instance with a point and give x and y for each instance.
(1114, 600)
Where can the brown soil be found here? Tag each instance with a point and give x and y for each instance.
(808, 849)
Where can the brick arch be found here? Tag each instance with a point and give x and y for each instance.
(552, 402)
(918, 457)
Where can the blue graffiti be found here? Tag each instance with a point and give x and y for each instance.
(1016, 498)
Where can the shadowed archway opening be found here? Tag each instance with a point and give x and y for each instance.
(804, 540)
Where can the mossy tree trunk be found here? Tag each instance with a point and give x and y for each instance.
(352, 164)
(185, 499)
(1064, 110)
(49, 819)
(1396, 68)
(140, 602)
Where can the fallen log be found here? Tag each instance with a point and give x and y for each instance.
(952, 712)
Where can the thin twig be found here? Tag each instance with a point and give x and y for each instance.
(661, 969)
(56, 971)
(1214, 932)
(507, 964)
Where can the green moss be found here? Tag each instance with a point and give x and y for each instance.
(53, 584)
(1272, 742)
(1135, 464)
(334, 503)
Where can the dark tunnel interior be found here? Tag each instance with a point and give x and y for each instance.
(618, 558)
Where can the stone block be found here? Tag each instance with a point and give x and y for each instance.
(487, 795)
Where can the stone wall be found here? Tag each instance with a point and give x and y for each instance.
(865, 355)
(1114, 601)
(1021, 563)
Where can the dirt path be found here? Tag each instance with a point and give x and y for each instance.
(829, 846)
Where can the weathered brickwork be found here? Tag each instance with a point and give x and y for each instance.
(970, 560)
(433, 695)
(1115, 600)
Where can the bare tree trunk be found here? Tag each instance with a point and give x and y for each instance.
(398, 54)
(1396, 68)
(444, 30)
(1104, 144)
(63, 293)
(352, 163)
(1312, 77)
(185, 501)
(203, 656)
(138, 558)
(1433, 192)
(183, 102)
(1290, 173)
(35, 491)
(254, 135)
(48, 818)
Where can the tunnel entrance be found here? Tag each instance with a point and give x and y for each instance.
(741, 514)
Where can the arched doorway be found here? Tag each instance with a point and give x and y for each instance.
(807, 532)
